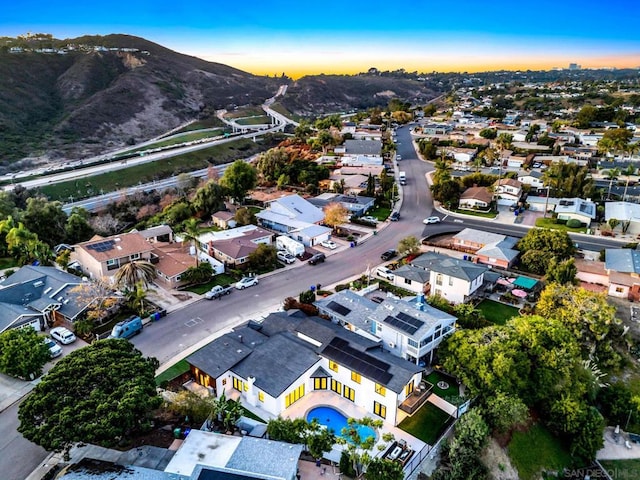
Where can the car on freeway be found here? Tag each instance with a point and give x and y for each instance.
(329, 244)
(246, 282)
(384, 272)
(388, 255)
(285, 257)
(317, 258)
(429, 220)
(63, 335)
(54, 349)
(394, 217)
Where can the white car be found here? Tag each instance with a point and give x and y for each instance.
(369, 219)
(384, 272)
(285, 257)
(429, 220)
(63, 335)
(329, 244)
(246, 282)
(54, 348)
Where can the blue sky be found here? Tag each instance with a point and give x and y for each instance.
(299, 37)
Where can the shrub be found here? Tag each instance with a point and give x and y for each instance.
(561, 221)
(342, 286)
(574, 223)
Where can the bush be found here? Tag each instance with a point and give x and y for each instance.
(342, 286)
(561, 221)
(574, 223)
(346, 467)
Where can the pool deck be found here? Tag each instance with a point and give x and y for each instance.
(349, 409)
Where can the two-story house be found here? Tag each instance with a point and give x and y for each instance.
(488, 248)
(533, 178)
(507, 191)
(274, 364)
(453, 279)
(233, 247)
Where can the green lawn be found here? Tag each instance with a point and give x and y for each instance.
(497, 312)
(535, 450)
(257, 120)
(450, 394)
(381, 213)
(201, 124)
(178, 368)
(477, 213)
(221, 279)
(185, 137)
(622, 468)
(551, 223)
(245, 112)
(427, 424)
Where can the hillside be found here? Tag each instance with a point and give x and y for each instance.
(84, 101)
(312, 95)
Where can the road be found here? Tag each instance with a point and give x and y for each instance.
(18, 456)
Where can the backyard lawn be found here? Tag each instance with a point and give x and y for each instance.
(451, 394)
(178, 368)
(535, 450)
(622, 468)
(497, 312)
(427, 424)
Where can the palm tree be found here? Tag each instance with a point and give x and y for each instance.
(630, 170)
(443, 167)
(137, 297)
(130, 274)
(191, 233)
(489, 156)
(612, 175)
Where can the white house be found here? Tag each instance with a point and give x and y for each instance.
(625, 212)
(576, 208)
(534, 179)
(453, 279)
(507, 191)
(271, 365)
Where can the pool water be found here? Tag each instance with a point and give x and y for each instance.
(334, 420)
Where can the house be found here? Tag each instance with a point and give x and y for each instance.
(157, 234)
(173, 259)
(41, 296)
(350, 310)
(488, 248)
(437, 129)
(369, 148)
(223, 219)
(274, 364)
(576, 208)
(348, 184)
(624, 212)
(233, 247)
(474, 198)
(534, 179)
(295, 217)
(361, 160)
(355, 205)
(623, 267)
(462, 155)
(453, 279)
(507, 191)
(101, 257)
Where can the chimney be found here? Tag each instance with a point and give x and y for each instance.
(240, 338)
(420, 302)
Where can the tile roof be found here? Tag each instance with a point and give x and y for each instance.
(174, 258)
(477, 193)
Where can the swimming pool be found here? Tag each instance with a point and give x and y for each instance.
(336, 421)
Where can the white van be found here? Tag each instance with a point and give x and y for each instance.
(402, 177)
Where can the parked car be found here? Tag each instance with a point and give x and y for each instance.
(394, 217)
(285, 257)
(429, 220)
(317, 258)
(369, 218)
(331, 245)
(218, 291)
(127, 328)
(54, 349)
(388, 255)
(384, 272)
(246, 282)
(63, 335)
(398, 157)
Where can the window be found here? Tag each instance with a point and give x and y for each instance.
(320, 383)
(349, 393)
(294, 396)
(379, 409)
(134, 256)
(408, 390)
(439, 279)
(451, 281)
(381, 390)
(113, 261)
(336, 386)
(237, 384)
(355, 376)
(245, 387)
(261, 396)
(333, 365)
(619, 290)
(407, 281)
(412, 343)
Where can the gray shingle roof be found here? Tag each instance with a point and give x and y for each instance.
(363, 147)
(348, 306)
(415, 274)
(446, 265)
(267, 457)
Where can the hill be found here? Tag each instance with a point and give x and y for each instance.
(104, 92)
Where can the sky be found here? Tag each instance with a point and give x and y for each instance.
(297, 38)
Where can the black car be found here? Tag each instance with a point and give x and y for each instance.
(317, 258)
(394, 217)
(388, 255)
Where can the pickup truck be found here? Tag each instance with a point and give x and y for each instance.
(218, 291)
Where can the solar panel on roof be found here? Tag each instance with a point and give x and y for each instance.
(402, 325)
(339, 351)
(102, 246)
(411, 320)
(340, 309)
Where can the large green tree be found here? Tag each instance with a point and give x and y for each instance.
(23, 353)
(383, 469)
(239, 178)
(46, 219)
(271, 163)
(134, 272)
(208, 199)
(540, 245)
(97, 394)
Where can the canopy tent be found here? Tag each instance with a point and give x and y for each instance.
(519, 293)
(525, 282)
